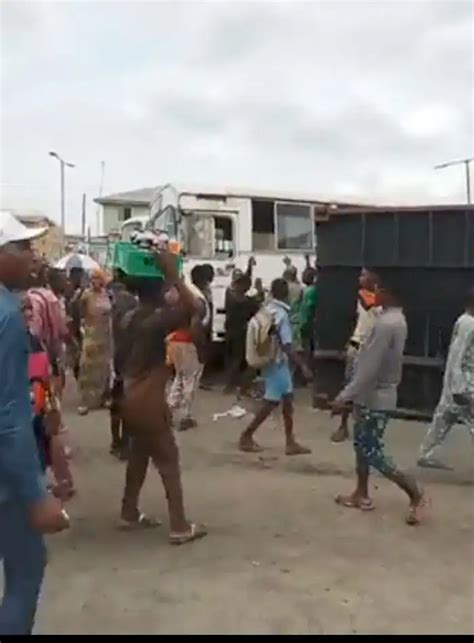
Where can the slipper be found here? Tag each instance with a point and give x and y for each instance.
(195, 532)
(431, 463)
(417, 513)
(250, 447)
(297, 449)
(143, 522)
(364, 504)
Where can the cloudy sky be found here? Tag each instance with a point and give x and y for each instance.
(340, 99)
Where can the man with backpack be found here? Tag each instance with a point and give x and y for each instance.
(269, 347)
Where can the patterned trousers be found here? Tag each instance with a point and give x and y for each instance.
(188, 372)
(369, 445)
(446, 415)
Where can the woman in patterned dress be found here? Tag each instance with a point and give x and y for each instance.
(96, 354)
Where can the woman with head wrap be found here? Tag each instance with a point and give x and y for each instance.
(96, 355)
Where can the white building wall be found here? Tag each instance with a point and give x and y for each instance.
(113, 216)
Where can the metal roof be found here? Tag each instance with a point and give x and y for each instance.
(143, 196)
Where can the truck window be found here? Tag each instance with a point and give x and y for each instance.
(294, 226)
(263, 225)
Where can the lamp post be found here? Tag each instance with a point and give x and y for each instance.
(466, 163)
(62, 165)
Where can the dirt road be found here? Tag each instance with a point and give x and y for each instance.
(280, 557)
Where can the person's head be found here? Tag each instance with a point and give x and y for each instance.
(387, 289)
(236, 274)
(199, 276)
(98, 280)
(368, 279)
(291, 274)
(279, 289)
(309, 276)
(57, 281)
(469, 301)
(76, 277)
(208, 273)
(242, 284)
(149, 291)
(39, 273)
(16, 254)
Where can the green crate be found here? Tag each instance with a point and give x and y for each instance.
(136, 261)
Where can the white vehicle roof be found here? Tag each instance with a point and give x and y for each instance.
(254, 193)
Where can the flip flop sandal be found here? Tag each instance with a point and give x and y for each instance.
(250, 447)
(418, 513)
(347, 501)
(195, 532)
(143, 522)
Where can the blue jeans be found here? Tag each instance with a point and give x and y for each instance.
(23, 553)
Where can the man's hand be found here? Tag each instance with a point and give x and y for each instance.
(48, 516)
(338, 406)
(252, 262)
(258, 285)
(168, 263)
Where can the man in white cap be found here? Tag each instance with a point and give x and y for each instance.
(27, 511)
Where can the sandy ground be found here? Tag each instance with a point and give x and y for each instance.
(280, 557)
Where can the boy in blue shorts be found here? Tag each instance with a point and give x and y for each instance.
(277, 376)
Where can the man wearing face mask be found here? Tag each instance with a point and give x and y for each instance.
(27, 511)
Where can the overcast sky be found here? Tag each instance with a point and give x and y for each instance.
(342, 99)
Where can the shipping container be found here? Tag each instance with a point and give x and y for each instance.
(431, 253)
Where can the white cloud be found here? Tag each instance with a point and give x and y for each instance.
(334, 97)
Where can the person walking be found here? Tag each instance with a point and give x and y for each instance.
(240, 308)
(373, 390)
(123, 301)
(277, 376)
(27, 511)
(367, 313)
(96, 352)
(144, 406)
(183, 357)
(456, 404)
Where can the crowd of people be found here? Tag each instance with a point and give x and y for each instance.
(139, 347)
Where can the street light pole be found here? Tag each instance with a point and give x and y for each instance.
(467, 169)
(62, 165)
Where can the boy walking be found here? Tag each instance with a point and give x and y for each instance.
(277, 376)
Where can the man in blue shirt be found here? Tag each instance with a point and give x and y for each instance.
(277, 376)
(26, 509)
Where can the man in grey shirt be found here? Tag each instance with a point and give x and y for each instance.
(373, 391)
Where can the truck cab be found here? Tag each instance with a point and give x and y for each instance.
(224, 228)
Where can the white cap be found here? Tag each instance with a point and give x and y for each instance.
(12, 230)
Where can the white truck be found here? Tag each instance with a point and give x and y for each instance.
(225, 227)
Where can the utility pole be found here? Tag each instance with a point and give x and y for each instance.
(83, 217)
(62, 165)
(467, 169)
(101, 190)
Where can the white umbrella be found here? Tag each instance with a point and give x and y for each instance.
(77, 260)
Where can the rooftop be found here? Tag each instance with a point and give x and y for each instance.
(143, 196)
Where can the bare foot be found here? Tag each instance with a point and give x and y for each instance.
(296, 449)
(248, 445)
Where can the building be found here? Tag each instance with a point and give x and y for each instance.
(117, 208)
(49, 245)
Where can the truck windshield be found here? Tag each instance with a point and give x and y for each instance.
(207, 236)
